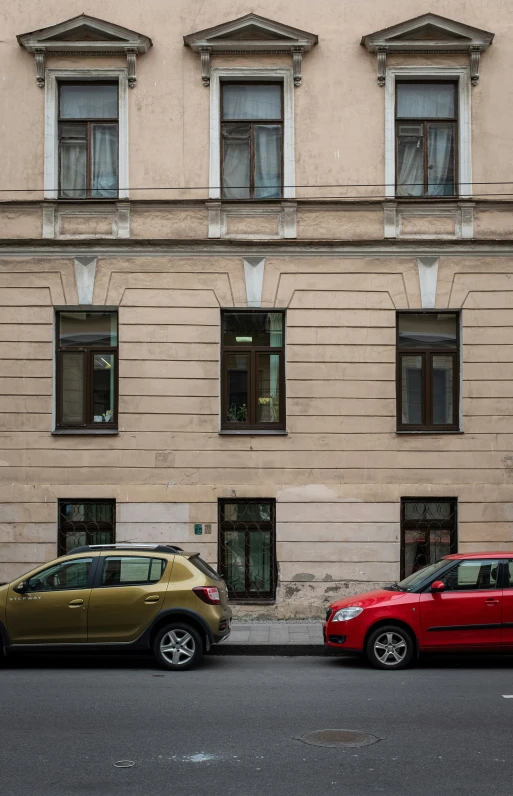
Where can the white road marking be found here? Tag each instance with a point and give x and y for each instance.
(508, 696)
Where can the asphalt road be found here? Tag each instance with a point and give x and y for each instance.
(230, 728)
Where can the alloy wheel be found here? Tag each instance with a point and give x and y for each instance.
(390, 648)
(177, 647)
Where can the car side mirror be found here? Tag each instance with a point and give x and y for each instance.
(22, 587)
(437, 586)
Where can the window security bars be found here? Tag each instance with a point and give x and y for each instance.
(428, 531)
(83, 522)
(247, 548)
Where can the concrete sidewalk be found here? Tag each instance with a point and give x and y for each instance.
(273, 638)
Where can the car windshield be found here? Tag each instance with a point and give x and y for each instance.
(412, 581)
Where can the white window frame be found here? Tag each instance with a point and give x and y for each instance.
(52, 78)
(282, 75)
(462, 74)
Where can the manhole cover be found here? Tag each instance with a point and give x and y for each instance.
(350, 738)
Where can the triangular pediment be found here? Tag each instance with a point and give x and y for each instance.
(427, 33)
(249, 34)
(84, 34)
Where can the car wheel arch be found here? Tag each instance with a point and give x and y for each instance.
(392, 621)
(177, 615)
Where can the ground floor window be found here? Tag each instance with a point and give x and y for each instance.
(84, 522)
(247, 548)
(428, 531)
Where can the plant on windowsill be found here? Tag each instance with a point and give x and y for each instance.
(107, 416)
(237, 414)
(265, 409)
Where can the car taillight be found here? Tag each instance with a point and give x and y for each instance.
(209, 594)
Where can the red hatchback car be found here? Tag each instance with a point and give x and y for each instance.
(462, 603)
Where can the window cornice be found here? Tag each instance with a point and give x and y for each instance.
(84, 35)
(429, 33)
(251, 34)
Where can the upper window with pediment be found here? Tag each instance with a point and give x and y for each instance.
(427, 106)
(251, 106)
(86, 107)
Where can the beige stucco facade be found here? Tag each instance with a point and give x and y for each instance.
(341, 256)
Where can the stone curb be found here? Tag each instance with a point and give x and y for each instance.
(273, 650)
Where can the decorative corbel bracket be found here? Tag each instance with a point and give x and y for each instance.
(205, 65)
(475, 57)
(382, 65)
(131, 56)
(40, 68)
(297, 65)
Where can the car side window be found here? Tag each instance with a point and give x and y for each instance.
(62, 576)
(472, 575)
(131, 570)
(508, 574)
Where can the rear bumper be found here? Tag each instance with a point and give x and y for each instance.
(224, 629)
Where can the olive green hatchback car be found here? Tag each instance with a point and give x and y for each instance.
(133, 596)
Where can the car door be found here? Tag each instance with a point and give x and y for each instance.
(468, 612)
(507, 605)
(128, 592)
(52, 609)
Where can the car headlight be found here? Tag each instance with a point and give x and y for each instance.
(347, 613)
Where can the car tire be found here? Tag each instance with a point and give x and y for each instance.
(390, 647)
(178, 646)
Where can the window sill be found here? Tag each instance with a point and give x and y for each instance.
(276, 432)
(235, 601)
(430, 432)
(85, 432)
(85, 199)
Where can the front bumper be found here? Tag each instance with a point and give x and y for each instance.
(340, 635)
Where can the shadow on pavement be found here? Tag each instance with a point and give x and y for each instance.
(121, 661)
(432, 661)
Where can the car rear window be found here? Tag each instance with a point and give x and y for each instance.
(205, 568)
(125, 570)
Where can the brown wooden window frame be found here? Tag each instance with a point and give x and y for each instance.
(252, 352)
(252, 124)
(427, 353)
(89, 140)
(83, 526)
(450, 525)
(88, 353)
(426, 122)
(248, 527)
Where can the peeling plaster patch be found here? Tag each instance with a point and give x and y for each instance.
(303, 576)
(327, 577)
(290, 591)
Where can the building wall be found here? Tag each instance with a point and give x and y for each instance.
(339, 107)
(339, 258)
(339, 474)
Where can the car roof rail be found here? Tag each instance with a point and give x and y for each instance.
(155, 547)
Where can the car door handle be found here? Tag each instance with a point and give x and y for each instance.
(76, 603)
(153, 598)
(492, 602)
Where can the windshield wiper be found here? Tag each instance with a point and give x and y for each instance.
(393, 587)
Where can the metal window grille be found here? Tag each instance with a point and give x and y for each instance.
(428, 531)
(247, 548)
(83, 522)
